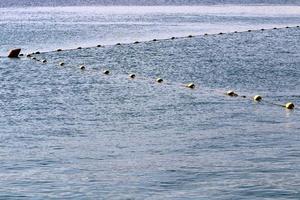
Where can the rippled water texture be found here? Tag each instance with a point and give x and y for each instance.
(72, 134)
(45, 28)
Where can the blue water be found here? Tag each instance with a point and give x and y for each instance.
(72, 134)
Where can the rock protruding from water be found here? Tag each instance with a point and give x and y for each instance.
(14, 53)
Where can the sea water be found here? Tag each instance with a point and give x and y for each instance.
(72, 134)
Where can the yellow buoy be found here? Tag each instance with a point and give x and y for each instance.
(61, 63)
(132, 76)
(231, 93)
(190, 85)
(257, 98)
(290, 106)
(159, 80)
(106, 72)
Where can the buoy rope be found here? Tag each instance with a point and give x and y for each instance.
(160, 80)
(172, 38)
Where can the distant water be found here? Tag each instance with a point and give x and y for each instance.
(48, 28)
(72, 134)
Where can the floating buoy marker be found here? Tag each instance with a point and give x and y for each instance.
(257, 98)
(159, 80)
(190, 85)
(231, 93)
(132, 76)
(289, 106)
(106, 72)
(82, 67)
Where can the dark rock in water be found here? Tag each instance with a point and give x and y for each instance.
(14, 53)
(37, 52)
(136, 42)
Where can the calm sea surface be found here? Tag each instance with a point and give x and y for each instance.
(72, 134)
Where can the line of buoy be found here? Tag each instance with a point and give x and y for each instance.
(154, 40)
(231, 93)
(16, 53)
